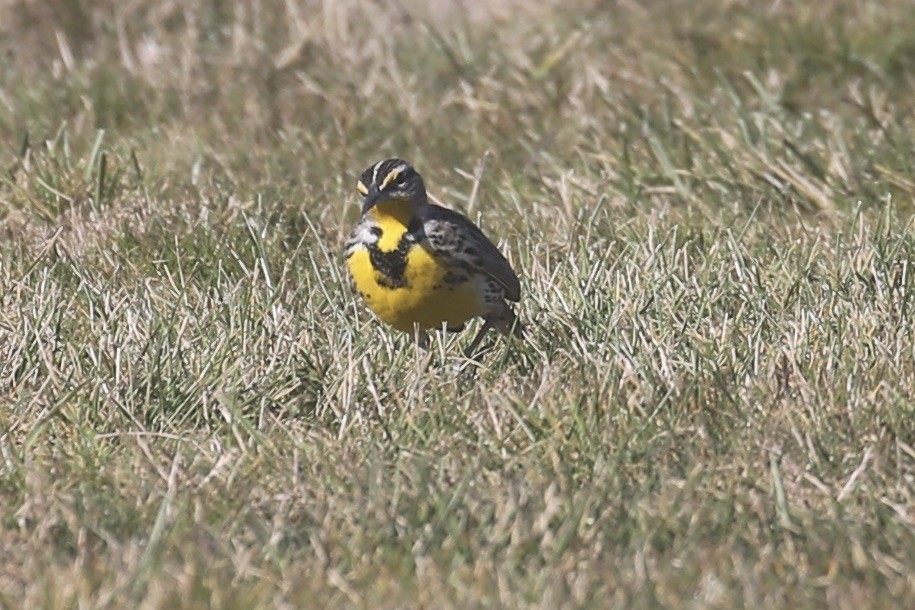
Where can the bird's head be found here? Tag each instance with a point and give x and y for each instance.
(391, 179)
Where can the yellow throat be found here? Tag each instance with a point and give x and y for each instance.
(392, 217)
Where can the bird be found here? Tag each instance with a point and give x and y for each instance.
(421, 266)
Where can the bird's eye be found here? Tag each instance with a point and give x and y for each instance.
(394, 182)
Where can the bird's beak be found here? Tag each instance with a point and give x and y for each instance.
(371, 198)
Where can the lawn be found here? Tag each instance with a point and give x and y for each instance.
(710, 204)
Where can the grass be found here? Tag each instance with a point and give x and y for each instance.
(711, 207)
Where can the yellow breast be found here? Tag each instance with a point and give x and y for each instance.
(422, 296)
(425, 298)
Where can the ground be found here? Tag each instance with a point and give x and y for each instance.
(710, 206)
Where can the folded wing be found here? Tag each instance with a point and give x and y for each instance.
(454, 236)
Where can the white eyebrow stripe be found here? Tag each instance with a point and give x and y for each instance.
(375, 171)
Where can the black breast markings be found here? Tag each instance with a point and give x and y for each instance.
(390, 267)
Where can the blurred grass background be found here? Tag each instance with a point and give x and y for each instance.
(710, 203)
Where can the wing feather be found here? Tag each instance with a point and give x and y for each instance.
(453, 235)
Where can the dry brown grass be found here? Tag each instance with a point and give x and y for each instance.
(710, 203)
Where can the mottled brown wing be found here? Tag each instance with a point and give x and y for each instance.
(453, 235)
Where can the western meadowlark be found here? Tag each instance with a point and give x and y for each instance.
(420, 266)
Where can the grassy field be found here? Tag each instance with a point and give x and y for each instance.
(710, 203)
